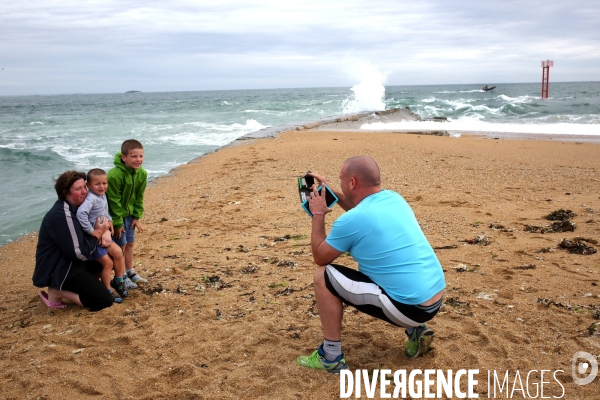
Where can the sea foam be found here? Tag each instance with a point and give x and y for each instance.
(369, 94)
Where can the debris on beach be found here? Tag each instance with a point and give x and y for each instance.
(594, 329)
(578, 245)
(461, 268)
(525, 267)
(482, 240)
(501, 228)
(563, 226)
(558, 226)
(241, 249)
(284, 263)
(454, 302)
(249, 269)
(215, 282)
(289, 236)
(547, 249)
(458, 306)
(537, 228)
(286, 291)
(487, 296)
(548, 302)
(560, 215)
(450, 246)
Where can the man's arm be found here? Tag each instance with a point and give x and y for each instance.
(323, 253)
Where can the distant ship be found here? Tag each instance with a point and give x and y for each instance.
(486, 88)
(133, 91)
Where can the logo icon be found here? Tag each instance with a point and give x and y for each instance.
(581, 368)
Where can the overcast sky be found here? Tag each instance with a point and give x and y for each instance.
(105, 46)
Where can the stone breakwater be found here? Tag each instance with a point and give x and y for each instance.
(347, 122)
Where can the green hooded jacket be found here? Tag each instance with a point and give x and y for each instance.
(125, 192)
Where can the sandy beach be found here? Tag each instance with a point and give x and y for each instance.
(230, 305)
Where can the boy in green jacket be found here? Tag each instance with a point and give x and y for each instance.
(125, 195)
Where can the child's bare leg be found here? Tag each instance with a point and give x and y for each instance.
(128, 251)
(107, 267)
(116, 253)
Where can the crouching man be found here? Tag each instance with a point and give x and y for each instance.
(399, 277)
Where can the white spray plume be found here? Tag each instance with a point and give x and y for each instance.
(369, 94)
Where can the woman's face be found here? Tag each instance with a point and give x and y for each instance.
(77, 193)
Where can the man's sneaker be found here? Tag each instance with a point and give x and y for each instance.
(128, 284)
(317, 361)
(115, 297)
(419, 341)
(119, 287)
(136, 278)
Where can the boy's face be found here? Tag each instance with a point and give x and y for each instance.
(98, 184)
(134, 159)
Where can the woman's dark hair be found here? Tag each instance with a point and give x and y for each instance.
(63, 184)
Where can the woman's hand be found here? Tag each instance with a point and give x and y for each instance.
(100, 227)
(106, 239)
(101, 224)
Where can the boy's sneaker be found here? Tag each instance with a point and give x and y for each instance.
(128, 284)
(119, 287)
(419, 341)
(115, 297)
(317, 361)
(136, 278)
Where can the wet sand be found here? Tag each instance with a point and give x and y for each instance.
(230, 302)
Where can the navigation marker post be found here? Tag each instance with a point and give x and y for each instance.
(546, 77)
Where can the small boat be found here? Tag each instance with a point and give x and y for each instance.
(486, 88)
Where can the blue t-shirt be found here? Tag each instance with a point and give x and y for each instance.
(383, 236)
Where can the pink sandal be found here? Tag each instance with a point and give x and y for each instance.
(51, 304)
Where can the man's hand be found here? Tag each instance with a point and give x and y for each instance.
(320, 178)
(136, 224)
(111, 228)
(317, 201)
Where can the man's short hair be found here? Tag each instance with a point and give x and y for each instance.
(129, 145)
(95, 172)
(365, 169)
(63, 183)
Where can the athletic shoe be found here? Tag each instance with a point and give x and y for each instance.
(419, 341)
(115, 297)
(119, 287)
(317, 361)
(128, 284)
(136, 278)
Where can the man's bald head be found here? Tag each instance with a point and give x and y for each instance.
(364, 169)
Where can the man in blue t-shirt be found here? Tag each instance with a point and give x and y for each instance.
(399, 277)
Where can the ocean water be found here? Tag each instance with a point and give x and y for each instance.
(42, 136)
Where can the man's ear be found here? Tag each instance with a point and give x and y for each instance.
(352, 183)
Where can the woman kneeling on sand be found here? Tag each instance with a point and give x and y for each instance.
(63, 251)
